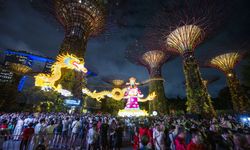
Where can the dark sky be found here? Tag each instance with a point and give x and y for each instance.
(23, 28)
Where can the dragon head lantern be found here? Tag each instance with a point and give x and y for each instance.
(72, 62)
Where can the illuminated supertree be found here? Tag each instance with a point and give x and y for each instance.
(80, 20)
(183, 40)
(182, 30)
(141, 53)
(226, 63)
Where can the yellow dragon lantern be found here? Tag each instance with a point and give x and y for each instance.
(67, 61)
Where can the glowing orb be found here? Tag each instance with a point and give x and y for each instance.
(155, 113)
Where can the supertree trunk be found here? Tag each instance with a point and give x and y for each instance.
(75, 41)
(198, 99)
(159, 104)
(240, 101)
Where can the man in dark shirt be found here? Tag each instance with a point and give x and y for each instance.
(104, 135)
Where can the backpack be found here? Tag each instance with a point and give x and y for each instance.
(145, 138)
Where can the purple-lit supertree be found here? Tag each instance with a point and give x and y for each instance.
(142, 53)
(182, 30)
(80, 19)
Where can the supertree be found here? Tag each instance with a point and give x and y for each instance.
(183, 40)
(226, 63)
(80, 20)
(115, 82)
(141, 53)
(182, 31)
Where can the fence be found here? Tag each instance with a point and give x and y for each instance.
(9, 141)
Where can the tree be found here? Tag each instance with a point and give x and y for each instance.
(109, 105)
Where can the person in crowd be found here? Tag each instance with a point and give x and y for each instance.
(195, 143)
(65, 128)
(49, 132)
(112, 134)
(104, 134)
(118, 136)
(26, 137)
(144, 134)
(225, 141)
(39, 132)
(240, 142)
(158, 138)
(75, 130)
(58, 133)
(180, 140)
(136, 139)
(91, 137)
(18, 128)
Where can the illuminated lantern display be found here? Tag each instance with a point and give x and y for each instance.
(62, 61)
(226, 63)
(132, 94)
(184, 40)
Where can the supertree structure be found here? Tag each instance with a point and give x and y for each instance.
(182, 30)
(154, 60)
(226, 63)
(183, 40)
(80, 19)
(141, 53)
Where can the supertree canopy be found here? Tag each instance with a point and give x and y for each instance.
(184, 38)
(152, 57)
(117, 80)
(79, 18)
(226, 63)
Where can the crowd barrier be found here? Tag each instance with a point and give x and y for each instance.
(9, 141)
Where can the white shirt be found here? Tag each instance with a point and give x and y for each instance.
(19, 123)
(91, 136)
(75, 126)
(39, 128)
(158, 137)
(65, 125)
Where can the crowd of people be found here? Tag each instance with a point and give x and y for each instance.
(99, 131)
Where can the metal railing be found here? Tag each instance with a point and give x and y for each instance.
(9, 141)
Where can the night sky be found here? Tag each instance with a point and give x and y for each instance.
(24, 28)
